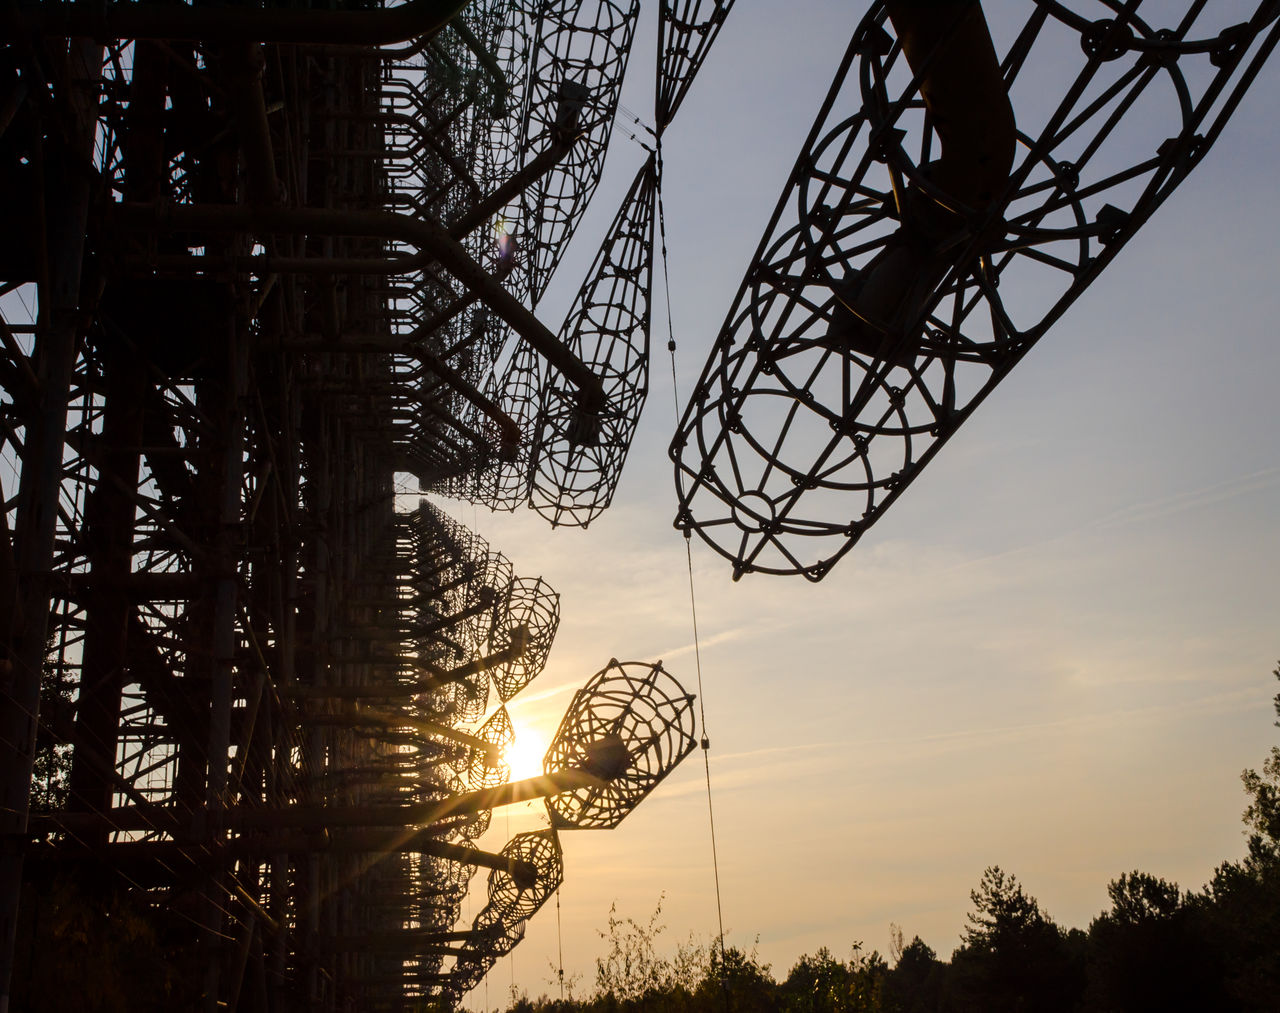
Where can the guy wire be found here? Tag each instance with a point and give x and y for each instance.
(559, 946)
(688, 551)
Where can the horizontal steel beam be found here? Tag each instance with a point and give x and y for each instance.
(423, 813)
(125, 20)
(426, 236)
(348, 841)
(416, 817)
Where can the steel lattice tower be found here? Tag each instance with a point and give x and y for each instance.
(243, 286)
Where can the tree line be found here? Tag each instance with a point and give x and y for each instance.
(1156, 948)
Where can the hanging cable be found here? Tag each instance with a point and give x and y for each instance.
(512, 955)
(634, 117)
(559, 945)
(688, 551)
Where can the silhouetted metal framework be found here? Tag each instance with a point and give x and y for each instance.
(631, 723)
(568, 463)
(575, 71)
(882, 307)
(259, 265)
(516, 898)
(577, 455)
(575, 55)
(687, 28)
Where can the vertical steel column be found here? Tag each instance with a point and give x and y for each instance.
(109, 521)
(229, 416)
(111, 508)
(68, 183)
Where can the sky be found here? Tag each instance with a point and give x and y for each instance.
(1053, 653)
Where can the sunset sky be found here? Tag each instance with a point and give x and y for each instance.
(1052, 654)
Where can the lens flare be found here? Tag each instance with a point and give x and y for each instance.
(505, 241)
(525, 753)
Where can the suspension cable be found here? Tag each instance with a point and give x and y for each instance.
(559, 946)
(688, 551)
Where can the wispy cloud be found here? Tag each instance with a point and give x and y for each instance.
(1194, 499)
(1232, 701)
(703, 643)
(1145, 512)
(732, 771)
(778, 751)
(543, 693)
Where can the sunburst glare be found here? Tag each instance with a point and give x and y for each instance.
(525, 753)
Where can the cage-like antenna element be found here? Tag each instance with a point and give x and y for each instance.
(496, 936)
(517, 389)
(881, 308)
(579, 56)
(686, 30)
(515, 897)
(578, 454)
(629, 726)
(487, 767)
(524, 625)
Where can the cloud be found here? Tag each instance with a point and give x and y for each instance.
(542, 693)
(1195, 499)
(704, 643)
(778, 750)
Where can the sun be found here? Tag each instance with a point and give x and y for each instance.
(525, 753)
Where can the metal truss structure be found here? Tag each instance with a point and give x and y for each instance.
(948, 206)
(580, 434)
(255, 262)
